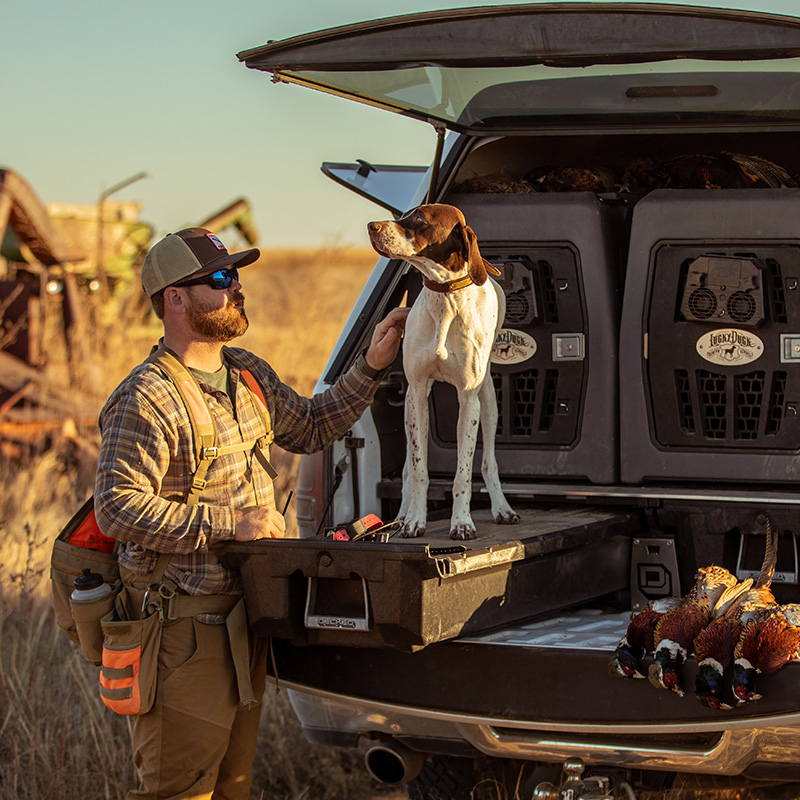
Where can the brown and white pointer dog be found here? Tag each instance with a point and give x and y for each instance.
(448, 337)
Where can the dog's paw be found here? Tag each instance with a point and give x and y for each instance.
(463, 531)
(412, 529)
(509, 517)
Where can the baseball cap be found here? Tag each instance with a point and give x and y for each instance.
(189, 252)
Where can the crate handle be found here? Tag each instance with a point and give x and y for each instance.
(334, 621)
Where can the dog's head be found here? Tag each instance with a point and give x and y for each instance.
(435, 236)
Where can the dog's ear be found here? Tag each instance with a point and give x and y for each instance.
(478, 267)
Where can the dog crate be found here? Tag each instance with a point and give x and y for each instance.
(554, 365)
(710, 356)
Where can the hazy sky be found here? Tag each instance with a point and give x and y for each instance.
(94, 91)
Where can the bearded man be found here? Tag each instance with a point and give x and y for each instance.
(198, 739)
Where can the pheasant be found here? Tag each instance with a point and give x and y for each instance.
(765, 646)
(697, 171)
(714, 645)
(676, 631)
(638, 639)
(573, 179)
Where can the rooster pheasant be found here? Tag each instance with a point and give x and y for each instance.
(714, 645)
(675, 632)
(766, 645)
(638, 639)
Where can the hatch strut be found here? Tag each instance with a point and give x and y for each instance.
(440, 132)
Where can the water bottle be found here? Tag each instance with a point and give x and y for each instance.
(90, 601)
(89, 586)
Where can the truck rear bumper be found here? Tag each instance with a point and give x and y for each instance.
(768, 751)
(525, 700)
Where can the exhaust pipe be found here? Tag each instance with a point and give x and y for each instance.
(392, 762)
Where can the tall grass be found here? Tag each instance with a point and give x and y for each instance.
(57, 740)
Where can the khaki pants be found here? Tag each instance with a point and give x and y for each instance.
(197, 741)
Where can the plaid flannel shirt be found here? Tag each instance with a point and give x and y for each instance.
(147, 462)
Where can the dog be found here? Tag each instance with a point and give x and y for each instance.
(449, 336)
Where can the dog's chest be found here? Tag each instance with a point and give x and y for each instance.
(449, 338)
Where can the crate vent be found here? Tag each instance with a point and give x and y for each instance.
(549, 291)
(685, 408)
(713, 400)
(776, 403)
(525, 384)
(702, 303)
(549, 405)
(778, 296)
(748, 398)
(742, 307)
(518, 308)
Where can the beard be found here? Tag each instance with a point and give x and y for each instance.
(218, 324)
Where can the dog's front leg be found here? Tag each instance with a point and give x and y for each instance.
(469, 411)
(414, 508)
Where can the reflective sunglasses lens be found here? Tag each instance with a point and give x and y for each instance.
(223, 278)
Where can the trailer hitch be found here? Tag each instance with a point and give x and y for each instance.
(578, 787)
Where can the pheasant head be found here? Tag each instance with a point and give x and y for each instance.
(625, 661)
(665, 671)
(744, 679)
(708, 684)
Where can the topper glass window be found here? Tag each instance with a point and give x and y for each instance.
(519, 67)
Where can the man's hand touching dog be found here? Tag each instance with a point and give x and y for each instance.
(386, 339)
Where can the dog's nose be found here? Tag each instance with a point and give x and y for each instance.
(374, 227)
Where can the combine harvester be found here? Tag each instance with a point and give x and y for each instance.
(68, 273)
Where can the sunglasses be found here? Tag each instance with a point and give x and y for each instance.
(221, 279)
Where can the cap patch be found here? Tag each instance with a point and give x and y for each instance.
(215, 239)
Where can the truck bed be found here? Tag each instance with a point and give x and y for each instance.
(526, 672)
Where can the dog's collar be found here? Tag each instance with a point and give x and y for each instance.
(447, 288)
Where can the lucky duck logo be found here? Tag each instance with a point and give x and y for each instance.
(513, 347)
(730, 347)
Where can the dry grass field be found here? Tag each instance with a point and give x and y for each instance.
(57, 741)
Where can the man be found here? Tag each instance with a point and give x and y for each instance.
(199, 738)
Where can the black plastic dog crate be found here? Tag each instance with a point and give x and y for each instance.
(408, 593)
(555, 377)
(710, 354)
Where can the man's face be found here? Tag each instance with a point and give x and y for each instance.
(217, 315)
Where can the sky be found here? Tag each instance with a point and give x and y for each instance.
(96, 91)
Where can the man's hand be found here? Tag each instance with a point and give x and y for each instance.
(258, 522)
(386, 339)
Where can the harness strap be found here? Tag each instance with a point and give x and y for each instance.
(236, 623)
(262, 445)
(204, 431)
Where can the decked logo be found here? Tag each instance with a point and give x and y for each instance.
(730, 347)
(513, 347)
(336, 622)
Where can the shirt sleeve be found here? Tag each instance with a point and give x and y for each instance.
(307, 424)
(137, 446)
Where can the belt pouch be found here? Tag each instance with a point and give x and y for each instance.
(130, 663)
(66, 564)
(87, 616)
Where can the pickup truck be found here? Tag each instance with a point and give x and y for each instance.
(631, 170)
